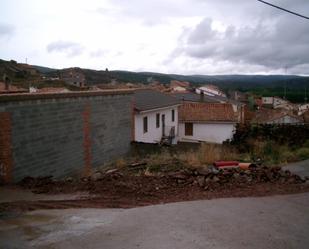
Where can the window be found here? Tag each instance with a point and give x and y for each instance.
(158, 120)
(173, 115)
(145, 124)
(188, 129)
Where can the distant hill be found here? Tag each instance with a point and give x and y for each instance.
(292, 86)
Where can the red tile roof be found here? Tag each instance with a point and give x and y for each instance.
(11, 88)
(207, 112)
(265, 115)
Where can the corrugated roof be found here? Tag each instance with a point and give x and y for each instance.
(146, 99)
(207, 112)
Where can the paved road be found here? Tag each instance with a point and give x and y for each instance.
(266, 222)
(299, 168)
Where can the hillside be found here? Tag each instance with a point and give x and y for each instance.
(293, 86)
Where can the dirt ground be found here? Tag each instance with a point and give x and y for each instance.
(121, 189)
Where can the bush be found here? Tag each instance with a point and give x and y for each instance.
(303, 153)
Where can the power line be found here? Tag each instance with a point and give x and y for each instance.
(291, 12)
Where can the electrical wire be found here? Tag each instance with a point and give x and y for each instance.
(280, 8)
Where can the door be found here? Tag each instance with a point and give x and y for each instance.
(163, 124)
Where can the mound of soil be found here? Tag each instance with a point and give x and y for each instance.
(122, 189)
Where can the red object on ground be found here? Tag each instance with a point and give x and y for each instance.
(226, 164)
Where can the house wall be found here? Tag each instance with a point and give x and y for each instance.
(154, 134)
(207, 132)
(62, 134)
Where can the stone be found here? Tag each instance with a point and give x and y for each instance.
(69, 179)
(200, 181)
(215, 179)
(97, 176)
(111, 171)
(203, 171)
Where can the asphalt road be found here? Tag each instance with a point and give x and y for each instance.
(265, 222)
(300, 168)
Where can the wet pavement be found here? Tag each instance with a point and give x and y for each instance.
(15, 193)
(299, 168)
(264, 222)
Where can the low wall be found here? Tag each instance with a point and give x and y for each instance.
(62, 134)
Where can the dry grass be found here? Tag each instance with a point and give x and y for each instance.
(207, 154)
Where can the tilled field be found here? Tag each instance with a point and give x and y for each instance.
(123, 189)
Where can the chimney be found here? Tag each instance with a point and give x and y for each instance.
(202, 96)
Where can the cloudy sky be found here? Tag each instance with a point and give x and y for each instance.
(168, 36)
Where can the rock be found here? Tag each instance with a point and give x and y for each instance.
(236, 175)
(69, 179)
(97, 176)
(215, 179)
(181, 181)
(200, 181)
(178, 175)
(207, 180)
(111, 171)
(203, 171)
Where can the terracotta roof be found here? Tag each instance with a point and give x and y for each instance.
(12, 88)
(207, 112)
(265, 115)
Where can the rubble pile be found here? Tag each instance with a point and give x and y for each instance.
(212, 177)
(122, 181)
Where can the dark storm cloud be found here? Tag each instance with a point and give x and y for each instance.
(69, 48)
(274, 43)
(6, 30)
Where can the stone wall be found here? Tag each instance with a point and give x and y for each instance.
(62, 134)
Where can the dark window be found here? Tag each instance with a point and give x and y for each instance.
(173, 115)
(145, 122)
(158, 120)
(188, 129)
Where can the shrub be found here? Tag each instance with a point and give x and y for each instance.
(303, 153)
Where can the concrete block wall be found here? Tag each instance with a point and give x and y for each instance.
(62, 134)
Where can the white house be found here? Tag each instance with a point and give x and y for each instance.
(206, 122)
(210, 90)
(155, 117)
(303, 108)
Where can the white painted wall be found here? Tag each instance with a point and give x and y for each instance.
(154, 134)
(207, 132)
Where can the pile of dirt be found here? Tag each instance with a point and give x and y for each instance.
(122, 189)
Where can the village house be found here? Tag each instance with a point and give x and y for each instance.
(238, 107)
(278, 103)
(276, 116)
(206, 122)
(6, 88)
(179, 86)
(155, 117)
(303, 108)
(210, 90)
(74, 77)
